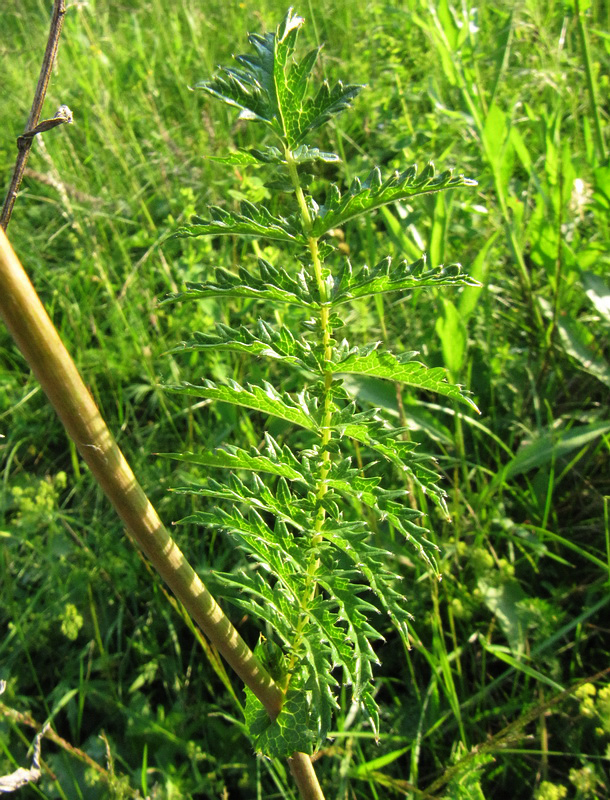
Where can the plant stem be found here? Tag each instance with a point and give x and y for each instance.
(586, 57)
(327, 413)
(52, 365)
(305, 777)
(25, 143)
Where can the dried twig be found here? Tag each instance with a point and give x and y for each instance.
(63, 115)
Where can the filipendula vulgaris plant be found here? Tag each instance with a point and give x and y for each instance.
(317, 579)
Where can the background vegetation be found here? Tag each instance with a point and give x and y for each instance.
(501, 91)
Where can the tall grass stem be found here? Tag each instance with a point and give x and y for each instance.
(586, 57)
(39, 342)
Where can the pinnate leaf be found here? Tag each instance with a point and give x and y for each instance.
(271, 283)
(371, 561)
(402, 369)
(278, 461)
(387, 278)
(281, 502)
(267, 341)
(261, 398)
(252, 221)
(273, 548)
(374, 193)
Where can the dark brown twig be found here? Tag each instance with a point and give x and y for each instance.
(24, 142)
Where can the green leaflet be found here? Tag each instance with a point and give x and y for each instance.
(371, 562)
(274, 548)
(374, 193)
(271, 283)
(281, 502)
(271, 155)
(266, 340)
(279, 461)
(261, 398)
(239, 158)
(252, 221)
(251, 594)
(402, 277)
(401, 369)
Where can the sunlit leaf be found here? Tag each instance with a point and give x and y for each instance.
(403, 369)
(373, 193)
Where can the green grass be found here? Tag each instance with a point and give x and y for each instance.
(88, 636)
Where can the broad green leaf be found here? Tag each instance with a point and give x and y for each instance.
(469, 296)
(252, 221)
(403, 370)
(374, 193)
(598, 292)
(553, 445)
(576, 344)
(502, 598)
(260, 398)
(452, 332)
(292, 731)
(403, 277)
(495, 134)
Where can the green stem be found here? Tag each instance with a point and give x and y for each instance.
(310, 588)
